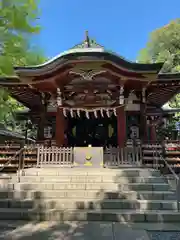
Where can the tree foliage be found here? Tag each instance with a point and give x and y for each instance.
(164, 46)
(17, 27)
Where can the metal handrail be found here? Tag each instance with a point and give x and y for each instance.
(176, 177)
(11, 159)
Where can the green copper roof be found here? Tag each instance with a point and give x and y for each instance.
(89, 48)
(94, 45)
(7, 134)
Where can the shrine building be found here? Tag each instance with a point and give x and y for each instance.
(89, 95)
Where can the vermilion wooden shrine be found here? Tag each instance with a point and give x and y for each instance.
(88, 95)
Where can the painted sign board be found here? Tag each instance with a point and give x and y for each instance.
(88, 157)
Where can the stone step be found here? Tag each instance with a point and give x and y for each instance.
(122, 216)
(91, 179)
(71, 194)
(91, 186)
(90, 204)
(126, 172)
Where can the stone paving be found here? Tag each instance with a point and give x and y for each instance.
(164, 235)
(82, 231)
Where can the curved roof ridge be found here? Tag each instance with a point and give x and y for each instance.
(85, 51)
(72, 50)
(86, 46)
(169, 75)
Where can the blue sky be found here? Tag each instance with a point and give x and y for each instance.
(122, 26)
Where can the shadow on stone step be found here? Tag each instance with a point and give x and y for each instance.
(83, 219)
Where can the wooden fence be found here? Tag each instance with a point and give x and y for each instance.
(53, 156)
(122, 156)
(39, 155)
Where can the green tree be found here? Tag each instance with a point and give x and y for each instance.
(164, 46)
(17, 27)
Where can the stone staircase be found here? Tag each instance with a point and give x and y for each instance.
(70, 194)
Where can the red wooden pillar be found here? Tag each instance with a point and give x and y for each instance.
(65, 131)
(143, 123)
(121, 126)
(153, 133)
(60, 127)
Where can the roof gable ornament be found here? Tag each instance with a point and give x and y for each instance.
(88, 43)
